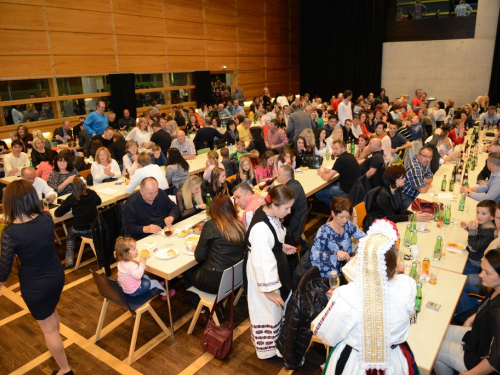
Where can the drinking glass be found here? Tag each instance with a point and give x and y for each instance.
(45, 204)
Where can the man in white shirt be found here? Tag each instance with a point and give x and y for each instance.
(146, 168)
(344, 109)
(286, 112)
(41, 187)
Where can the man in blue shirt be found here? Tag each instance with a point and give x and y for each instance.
(418, 175)
(97, 121)
(492, 189)
(237, 108)
(415, 129)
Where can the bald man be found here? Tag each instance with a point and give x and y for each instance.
(184, 145)
(41, 187)
(373, 166)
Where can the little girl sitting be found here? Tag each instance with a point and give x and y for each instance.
(130, 274)
(481, 233)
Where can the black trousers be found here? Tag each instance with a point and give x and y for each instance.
(205, 280)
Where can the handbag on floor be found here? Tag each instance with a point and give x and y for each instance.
(218, 340)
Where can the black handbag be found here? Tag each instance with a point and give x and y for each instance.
(217, 340)
(312, 161)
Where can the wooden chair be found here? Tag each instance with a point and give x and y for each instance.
(225, 287)
(112, 291)
(85, 241)
(84, 173)
(203, 151)
(360, 214)
(401, 159)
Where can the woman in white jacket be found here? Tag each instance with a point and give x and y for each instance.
(104, 166)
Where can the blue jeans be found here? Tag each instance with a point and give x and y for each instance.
(472, 267)
(326, 194)
(144, 288)
(472, 285)
(407, 201)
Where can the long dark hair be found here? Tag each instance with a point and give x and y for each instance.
(63, 156)
(255, 133)
(50, 157)
(175, 157)
(20, 199)
(78, 187)
(94, 146)
(223, 212)
(318, 133)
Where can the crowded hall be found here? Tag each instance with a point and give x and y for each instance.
(195, 195)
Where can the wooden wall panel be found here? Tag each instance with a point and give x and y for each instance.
(24, 42)
(221, 48)
(251, 35)
(17, 66)
(140, 45)
(186, 63)
(176, 46)
(184, 10)
(250, 49)
(184, 29)
(21, 16)
(217, 62)
(252, 62)
(79, 20)
(153, 64)
(253, 76)
(81, 43)
(95, 5)
(277, 62)
(146, 7)
(277, 75)
(128, 24)
(225, 15)
(67, 65)
(220, 32)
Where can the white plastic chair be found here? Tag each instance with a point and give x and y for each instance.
(224, 291)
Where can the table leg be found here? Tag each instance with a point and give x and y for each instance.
(169, 307)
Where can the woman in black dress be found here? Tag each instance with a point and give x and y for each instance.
(41, 275)
(256, 142)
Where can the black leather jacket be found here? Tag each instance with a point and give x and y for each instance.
(304, 306)
(215, 252)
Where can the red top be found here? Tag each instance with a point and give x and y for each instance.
(416, 102)
(335, 104)
(455, 139)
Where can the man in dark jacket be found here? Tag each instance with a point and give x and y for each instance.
(293, 222)
(148, 211)
(298, 121)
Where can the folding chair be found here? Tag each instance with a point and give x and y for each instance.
(111, 291)
(224, 291)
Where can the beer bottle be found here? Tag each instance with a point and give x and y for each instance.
(353, 147)
(209, 202)
(443, 184)
(348, 148)
(447, 215)
(461, 205)
(407, 237)
(418, 298)
(466, 179)
(436, 211)
(459, 174)
(452, 180)
(414, 221)
(401, 263)
(437, 249)
(413, 237)
(413, 272)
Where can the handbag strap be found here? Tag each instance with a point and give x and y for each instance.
(232, 304)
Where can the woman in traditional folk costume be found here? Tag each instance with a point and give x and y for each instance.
(368, 319)
(268, 279)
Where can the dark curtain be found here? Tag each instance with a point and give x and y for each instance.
(203, 87)
(123, 94)
(494, 91)
(341, 47)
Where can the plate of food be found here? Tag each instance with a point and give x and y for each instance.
(426, 230)
(167, 253)
(183, 233)
(189, 249)
(455, 247)
(192, 239)
(144, 253)
(198, 228)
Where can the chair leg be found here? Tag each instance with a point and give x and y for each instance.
(238, 296)
(195, 317)
(214, 317)
(91, 243)
(57, 237)
(64, 228)
(101, 320)
(138, 315)
(158, 320)
(80, 253)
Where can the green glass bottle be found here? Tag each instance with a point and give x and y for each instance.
(452, 180)
(209, 202)
(414, 221)
(447, 215)
(348, 148)
(414, 237)
(461, 205)
(31, 163)
(443, 184)
(437, 249)
(418, 298)
(413, 272)
(407, 237)
(353, 148)
(436, 211)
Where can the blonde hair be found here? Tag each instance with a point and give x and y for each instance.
(122, 247)
(187, 196)
(155, 148)
(477, 99)
(174, 126)
(240, 143)
(39, 134)
(470, 110)
(213, 155)
(106, 151)
(130, 144)
(141, 120)
(36, 140)
(308, 132)
(336, 130)
(251, 174)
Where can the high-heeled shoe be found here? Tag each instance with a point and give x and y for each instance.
(70, 372)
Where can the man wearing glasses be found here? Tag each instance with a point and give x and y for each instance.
(97, 121)
(418, 175)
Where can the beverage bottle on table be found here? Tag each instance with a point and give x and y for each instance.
(334, 280)
(418, 298)
(436, 211)
(473, 164)
(459, 174)
(426, 266)
(413, 237)
(447, 215)
(413, 271)
(353, 147)
(440, 220)
(401, 263)
(266, 183)
(414, 220)
(209, 202)
(466, 179)
(348, 148)
(437, 249)
(461, 205)
(231, 148)
(407, 237)
(452, 179)
(443, 184)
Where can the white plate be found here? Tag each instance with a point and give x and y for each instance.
(162, 253)
(187, 239)
(427, 230)
(187, 252)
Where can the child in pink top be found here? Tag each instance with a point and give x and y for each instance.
(265, 170)
(130, 274)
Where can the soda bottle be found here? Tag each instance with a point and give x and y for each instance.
(436, 211)
(441, 216)
(209, 202)
(414, 221)
(437, 249)
(401, 263)
(447, 215)
(407, 237)
(231, 148)
(443, 184)
(334, 280)
(461, 205)
(452, 180)
(418, 298)
(413, 237)
(413, 272)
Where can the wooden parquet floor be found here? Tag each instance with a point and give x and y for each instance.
(23, 349)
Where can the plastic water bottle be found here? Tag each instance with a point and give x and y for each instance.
(231, 148)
